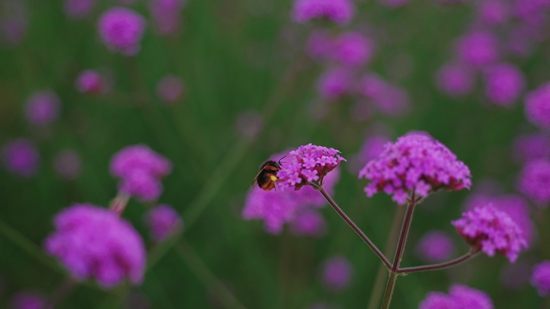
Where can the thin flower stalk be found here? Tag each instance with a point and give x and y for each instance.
(465, 257)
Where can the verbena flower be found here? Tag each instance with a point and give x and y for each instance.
(534, 181)
(459, 297)
(89, 81)
(537, 106)
(14, 23)
(540, 278)
(308, 222)
(515, 206)
(67, 164)
(338, 11)
(387, 98)
(21, 157)
(337, 272)
(121, 30)
(504, 84)
(529, 147)
(93, 242)
(142, 185)
(166, 14)
(352, 49)
(455, 79)
(415, 163)
(170, 89)
(494, 12)
(491, 231)
(163, 221)
(42, 108)
(435, 246)
(78, 8)
(335, 83)
(28, 300)
(372, 148)
(277, 207)
(139, 157)
(308, 164)
(478, 48)
(319, 44)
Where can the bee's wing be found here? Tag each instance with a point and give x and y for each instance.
(255, 181)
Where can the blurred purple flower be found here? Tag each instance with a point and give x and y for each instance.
(308, 222)
(529, 147)
(540, 278)
(78, 8)
(455, 79)
(478, 48)
(532, 12)
(438, 300)
(249, 124)
(352, 49)
(139, 157)
(142, 185)
(20, 157)
(335, 83)
(163, 221)
(491, 231)
(372, 148)
(534, 181)
(515, 206)
(319, 44)
(89, 81)
(93, 242)
(338, 11)
(14, 22)
(166, 14)
(504, 84)
(308, 164)
(67, 164)
(28, 300)
(494, 12)
(42, 108)
(415, 163)
(387, 98)
(435, 246)
(171, 89)
(537, 106)
(466, 297)
(337, 273)
(121, 30)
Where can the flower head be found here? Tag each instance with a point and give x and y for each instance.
(352, 49)
(492, 231)
(337, 273)
(89, 81)
(121, 30)
(504, 84)
(435, 246)
(319, 44)
(494, 12)
(338, 11)
(310, 164)
(67, 164)
(415, 163)
(438, 300)
(166, 14)
(141, 184)
(139, 157)
(78, 8)
(531, 147)
(170, 89)
(163, 221)
(478, 48)
(540, 278)
(534, 181)
(455, 79)
(308, 222)
(20, 157)
(335, 83)
(42, 108)
(93, 242)
(537, 106)
(389, 99)
(466, 297)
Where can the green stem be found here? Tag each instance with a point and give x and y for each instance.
(450, 263)
(205, 275)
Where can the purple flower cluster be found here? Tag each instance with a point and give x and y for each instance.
(372, 147)
(534, 181)
(515, 206)
(163, 221)
(42, 108)
(337, 273)
(338, 11)
(504, 84)
(459, 297)
(170, 89)
(89, 81)
(416, 163)
(308, 222)
(455, 79)
(529, 147)
(78, 8)
(310, 164)
(540, 278)
(494, 12)
(93, 242)
(389, 99)
(140, 170)
(492, 231)
(277, 207)
(20, 157)
(349, 48)
(121, 30)
(478, 48)
(537, 106)
(166, 14)
(435, 246)
(335, 83)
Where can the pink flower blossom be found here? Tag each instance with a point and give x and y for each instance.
(121, 30)
(337, 273)
(537, 106)
(534, 181)
(308, 222)
(163, 221)
(21, 157)
(504, 84)
(338, 11)
(89, 81)
(42, 108)
(540, 278)
(455, 79)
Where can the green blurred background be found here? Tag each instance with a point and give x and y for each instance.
(236, 56)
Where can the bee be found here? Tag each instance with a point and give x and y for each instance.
(267, 176)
